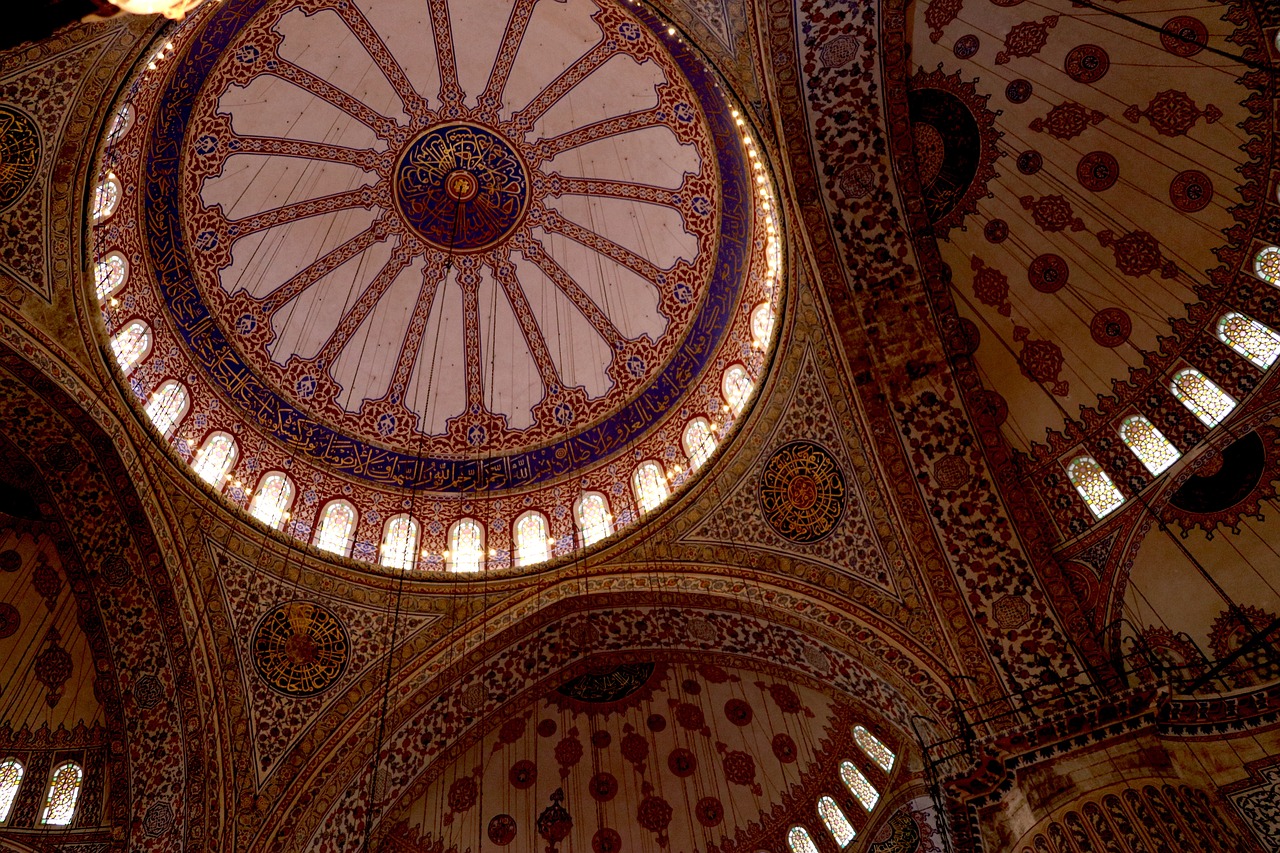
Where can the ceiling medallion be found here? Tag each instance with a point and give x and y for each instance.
(802, 492)
(300, 648)
(19, 154)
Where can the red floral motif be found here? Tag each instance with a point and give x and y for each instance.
(739, 768)
(713, 673)
(1067, 120)
(1026, 39)
(1184, 36)
(691, 687)
(710, 811)
(690, 716)
(1052, 213)
(47, 581)
(523, 774)
(1173, 113)
(784, 748)
(53, 667)
(738, 712)
(10, 619)
(939, 14)
(462, 794)
(512, 730)
(784, 697)
(654, 814)
(990, 408)
(1138, 253)
(1097, 171)
(635, 747)
(990, 286)
(1041, 361)
(603, 787)
(1048, 273)
(606, 841)
(857, 182)
(568, 752)
(952, 472)
(1087, 63)
(1110, 327)
(502, 830)
(1191, 191)
(682, 762)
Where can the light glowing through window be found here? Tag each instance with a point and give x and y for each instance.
(1094, 486)
(875, 750)
(1148, 444)
(400, 544)
(531, 539)
(106, 198)
(836, 822)
(736, 387)
(167, 405)
(10, 781)
(594, 521)
(337, 528)
(761, 324)
(466, 546)
(863, 791)
(271, 503)
(1267, 265)
(699, 442)
(64, 791)
(799, 841)
(215, 458)
(109, 275)
(1256, 342)
(131, 344)
(650, 486)
(1207, 401)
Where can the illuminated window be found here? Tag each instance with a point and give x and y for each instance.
(271, 502)
(64, 790)
(106, 198)
(531, 539)
(1267, 265)
(167, 406)
(699, 442)
(109, 275)
(799, 841)
(215, 458)
(863, 791)
(650, 486)
(466, 546)
(1148, 444)
(736, 387)
(1256, 342)
(120, 124)
(337, 528)
(400, 543)
(761, 324)
(594, 521)
(877, 751)
(1209, 402)
(10, 780)
(131, 344)
(836, 822)
(1094, 485)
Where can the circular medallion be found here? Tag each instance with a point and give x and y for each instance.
(1191, 191)
(1184, 36)
(1097, 171)
(1110, 327)
(1087, 63)
(603, 786)
(1048, 273)
(1029, 162)
(606, 840)
(10, 560)
(10, 619)
(966, 46)
(461, 187)
(1018, 91)
(19, 154)
(996, 231)
(802, 492)
(300, 648)
(502, 829)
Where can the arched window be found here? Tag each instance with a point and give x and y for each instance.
(1093, 484)
(215, 458)
(836, 822)
(466, 546)
(167, 406)
(109, 275)
(699, 442)
(64, 791)
(736, 387)
(592, 514)
(1256, 342)
(400, 543)
(531, 539)
(106, 198)
(10, 781)
(271, 502)
(799, 841)
(120, 124)
(650, 486)
(131, 344)
(863, 791)
(1266, 264)
(1209, 402)
(875, 750)
(761, 324)
(337, 528)
(1148, 444)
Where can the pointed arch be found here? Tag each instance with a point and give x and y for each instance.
(591, 511)
(64, 794)
(699, 440)
(532, 538)
(337, 528)
(399, 549)
(736, 387)
(131, 345)
(466, 546)
(650, 485)
(215, 458)
(273, 499)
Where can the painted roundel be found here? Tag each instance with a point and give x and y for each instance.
(19, 154)
(802, 492)
(1191, 191)
(300, 649)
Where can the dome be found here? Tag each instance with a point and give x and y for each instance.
(377, 271)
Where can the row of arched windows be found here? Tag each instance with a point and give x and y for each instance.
(832, 816)
(60, 800)
(1255, 341)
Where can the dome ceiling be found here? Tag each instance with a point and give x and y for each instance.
(456, 247)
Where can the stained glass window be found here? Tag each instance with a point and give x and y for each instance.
(761, 324)
(1093, 484)
(1148, 444)
(64, 790)
(167, 405)
(531, 539)
(650, 486)
(466, 546)
(215, 458)
(858, 785)
(131, 344)
(337, 528)
(799, 841)
(594, 521)
(120, 124)
(736, 387)
(699, 442)
(271, 502)
(10, 780)
(837, 824)
(109, 275)
(106, 198)
(1256, 342)
(1267, 265)
(400, 543)
(1209, 402)
(873, 747)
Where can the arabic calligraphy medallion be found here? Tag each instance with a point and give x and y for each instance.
(802, 492)
(300, 648)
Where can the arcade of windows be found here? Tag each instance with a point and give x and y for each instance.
(1252, 340)
(829, 812)
(60, 799)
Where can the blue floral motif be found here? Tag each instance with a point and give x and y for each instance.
(629, 31)
(684, 112)
(207, 240)
(246, 323)
(386, 424)
(305, 387)
(206, 144)
(248, 54)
